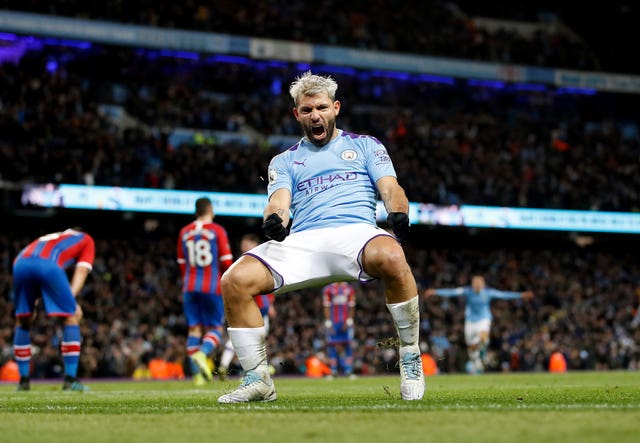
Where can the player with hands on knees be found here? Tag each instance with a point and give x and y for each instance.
(39, 274)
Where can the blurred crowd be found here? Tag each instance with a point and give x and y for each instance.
(457, 142)
(586, 306)
(424, 27)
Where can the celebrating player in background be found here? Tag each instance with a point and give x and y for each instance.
(328, 180)
(264, 302)
(39, 271)
(203, 255)
(339, 305)
(478, 314)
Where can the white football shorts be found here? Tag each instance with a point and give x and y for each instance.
(472, 330)
(317, 256)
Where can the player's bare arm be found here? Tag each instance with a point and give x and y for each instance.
(392, 195)
(279, 204)
(79, 277)
(397, 205)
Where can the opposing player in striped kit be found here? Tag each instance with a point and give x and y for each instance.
(39, 272)
(339, 305)
(203, 253)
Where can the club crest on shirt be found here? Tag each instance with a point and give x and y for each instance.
(272, 175)
(349, 155)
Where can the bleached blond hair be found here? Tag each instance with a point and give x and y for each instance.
(309, 84)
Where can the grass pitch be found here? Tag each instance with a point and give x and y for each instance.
(573, 407)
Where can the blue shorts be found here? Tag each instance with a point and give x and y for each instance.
(341, 335)
(35, 277)
(203, 309)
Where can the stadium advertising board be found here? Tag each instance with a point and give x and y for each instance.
(252, 205)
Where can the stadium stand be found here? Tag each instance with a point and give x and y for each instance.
(476, 143)
(101, 115)
(431, 27)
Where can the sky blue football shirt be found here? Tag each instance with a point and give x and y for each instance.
(334, 184)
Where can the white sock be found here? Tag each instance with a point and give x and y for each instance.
(250, 349)
(227, 355)
(406, 316)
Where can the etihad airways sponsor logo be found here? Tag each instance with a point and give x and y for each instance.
(323, 182)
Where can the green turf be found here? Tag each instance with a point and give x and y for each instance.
(574, 407)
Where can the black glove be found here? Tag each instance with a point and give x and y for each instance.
(399, 221)
(273, 228)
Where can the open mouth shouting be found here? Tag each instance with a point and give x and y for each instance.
(318, 131)
(317, 116)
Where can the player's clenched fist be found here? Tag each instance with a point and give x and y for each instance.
(399, 222)
(273, 228)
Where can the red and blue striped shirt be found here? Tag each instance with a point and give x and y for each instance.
(204, 254)
(339, 298)
(66, 248)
